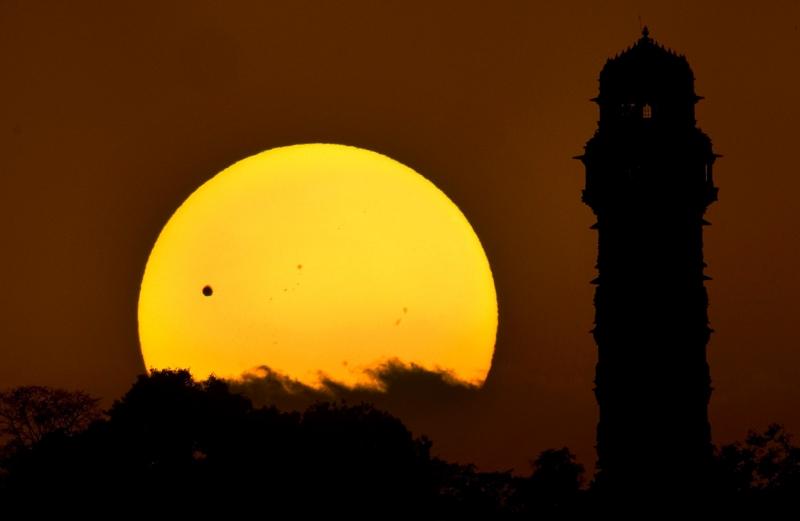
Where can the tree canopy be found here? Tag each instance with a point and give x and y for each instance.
(29, 413)
(197, 447)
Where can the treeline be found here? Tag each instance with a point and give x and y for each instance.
(194, 448)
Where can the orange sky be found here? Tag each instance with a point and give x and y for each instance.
(113, 115)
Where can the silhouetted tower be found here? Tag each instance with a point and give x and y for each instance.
(649, 182)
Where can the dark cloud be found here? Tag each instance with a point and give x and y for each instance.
(428, 402)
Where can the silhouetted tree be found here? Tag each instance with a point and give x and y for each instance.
(556, 473)
(464, 492)
(197, 445)
(554, 485)
(763, 471)
(28, 414)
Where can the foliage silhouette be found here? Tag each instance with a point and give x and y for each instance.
(196, 447)
(199, 447)
(760, 473)
(29, 413)
(556, 480)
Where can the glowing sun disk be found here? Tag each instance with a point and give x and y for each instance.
(318, 259)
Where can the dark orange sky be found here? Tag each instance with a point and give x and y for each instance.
(113, 113)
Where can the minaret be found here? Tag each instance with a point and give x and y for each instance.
(649, 181)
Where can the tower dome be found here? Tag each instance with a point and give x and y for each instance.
(647, 81)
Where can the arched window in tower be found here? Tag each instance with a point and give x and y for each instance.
(647, 111)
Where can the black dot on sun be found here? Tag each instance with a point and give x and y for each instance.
(207, 291)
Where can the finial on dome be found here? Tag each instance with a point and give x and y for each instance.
(645, 33)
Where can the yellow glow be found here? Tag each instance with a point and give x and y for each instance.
(323, 260)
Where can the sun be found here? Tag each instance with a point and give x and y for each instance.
(318, 261)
